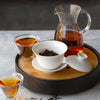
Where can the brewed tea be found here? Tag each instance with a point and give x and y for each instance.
(68, 29)
(72, 39)
(25, 46)
(12, 82)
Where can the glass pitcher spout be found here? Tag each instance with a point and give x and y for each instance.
(68, 30)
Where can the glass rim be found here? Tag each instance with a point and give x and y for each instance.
(21, 80)
(27, 35)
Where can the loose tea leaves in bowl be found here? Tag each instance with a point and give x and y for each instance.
(48, 53)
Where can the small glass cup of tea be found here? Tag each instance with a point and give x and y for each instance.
(25, 43)
(11, 84)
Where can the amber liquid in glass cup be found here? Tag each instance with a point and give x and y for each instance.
(10, 85)
(10, 90)
(25, 43)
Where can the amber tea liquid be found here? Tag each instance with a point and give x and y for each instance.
(72, 39)
(25, 46)
(11, 88)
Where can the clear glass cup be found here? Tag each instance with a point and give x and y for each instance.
(11, 84)
(25, 43)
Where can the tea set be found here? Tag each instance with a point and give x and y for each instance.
(49, 63)
(67, 43)
(52, 64)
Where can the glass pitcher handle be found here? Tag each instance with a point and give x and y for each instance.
(89, 21)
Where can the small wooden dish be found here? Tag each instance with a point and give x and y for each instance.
(66, 81)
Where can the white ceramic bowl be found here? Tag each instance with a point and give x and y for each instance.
(50, 62)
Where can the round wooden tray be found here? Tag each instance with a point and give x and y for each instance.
(66, 81)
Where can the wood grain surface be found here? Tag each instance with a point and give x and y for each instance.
(66, 73)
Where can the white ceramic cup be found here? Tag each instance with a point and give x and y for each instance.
(49, 62)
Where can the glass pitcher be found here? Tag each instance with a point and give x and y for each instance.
(68, 30)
